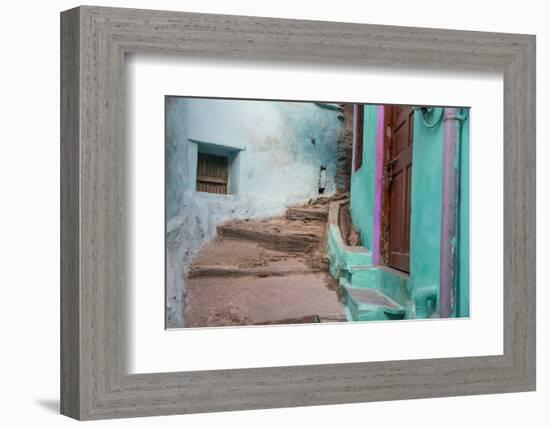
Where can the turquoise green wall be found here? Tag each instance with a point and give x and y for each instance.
(426, 215)
(352, 267)
(419, 293)
(426, 210)
(463, 261)
(363, 181)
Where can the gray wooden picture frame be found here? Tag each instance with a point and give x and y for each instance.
(94, 41)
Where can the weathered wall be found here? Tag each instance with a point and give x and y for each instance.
(426, 193)
(363, 181)
(281, 148)
(345, 151)
(463, 244)
(425, 244)
(426, 199)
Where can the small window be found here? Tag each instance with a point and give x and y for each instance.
(358, 136)
(212, 173)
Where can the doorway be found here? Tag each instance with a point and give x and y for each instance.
(398, 145)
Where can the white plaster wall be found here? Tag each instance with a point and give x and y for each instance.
(279, 166)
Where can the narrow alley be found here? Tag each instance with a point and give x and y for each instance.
(287, 212)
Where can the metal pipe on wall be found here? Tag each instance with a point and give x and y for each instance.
(449, 201)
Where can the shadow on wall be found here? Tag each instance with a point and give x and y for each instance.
(278, 154)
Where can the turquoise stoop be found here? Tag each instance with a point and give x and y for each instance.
(369, 292)
(369, 304)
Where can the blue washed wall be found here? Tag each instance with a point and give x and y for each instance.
(278, 166)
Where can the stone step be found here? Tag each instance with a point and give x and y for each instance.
(333, 318)
(230, 301)
(241, 253)
(371, 304)
(276, 234)
(307, 214)
(237, 271)
(312, 318)
(327, 318)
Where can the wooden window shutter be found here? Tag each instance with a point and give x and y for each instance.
(212, 173)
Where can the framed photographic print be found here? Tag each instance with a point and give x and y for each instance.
(262, 213)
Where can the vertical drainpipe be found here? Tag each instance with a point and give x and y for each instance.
(449, 207)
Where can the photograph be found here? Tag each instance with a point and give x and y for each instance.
(281, 212)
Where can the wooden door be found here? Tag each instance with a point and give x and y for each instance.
(398, 169)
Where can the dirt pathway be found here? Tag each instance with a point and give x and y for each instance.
(264, 272)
